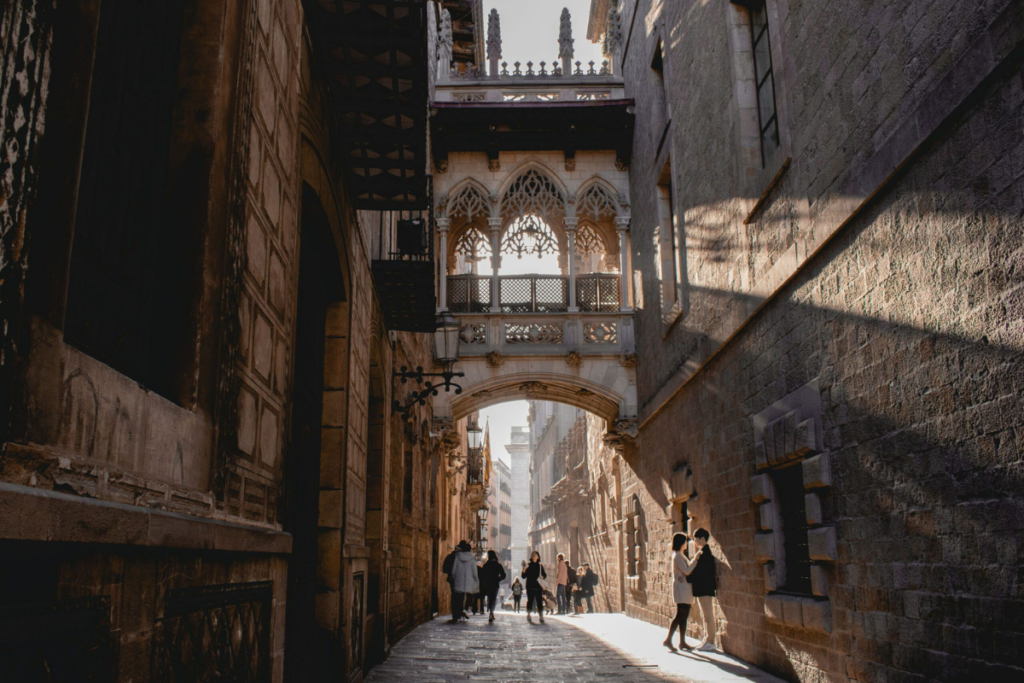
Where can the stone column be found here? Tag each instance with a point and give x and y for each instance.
(445, 42)
(570, 230)
(495, 225)
(442, 230)
(622, 225)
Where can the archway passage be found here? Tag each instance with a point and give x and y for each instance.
(312, 649)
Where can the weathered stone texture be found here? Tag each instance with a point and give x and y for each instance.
(908, 319)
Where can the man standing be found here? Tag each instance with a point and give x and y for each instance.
(562, 579)
(466, 580)
(587, 585)
(703, 580)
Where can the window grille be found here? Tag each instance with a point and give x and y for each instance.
(597, 293)
(469, 293)
(534, 294)
(789, 487)
(216, 633)
(765, 81)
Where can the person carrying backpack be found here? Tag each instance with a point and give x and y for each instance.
(517, 594)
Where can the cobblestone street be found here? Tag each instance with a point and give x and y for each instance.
(598, 647)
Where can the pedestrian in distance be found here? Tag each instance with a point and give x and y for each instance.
(570, 587)
(491, 576)
(448, 567)
(467, 580)
(533, 573)
(577, 592)
(682, 592)
(561, 584)
(517, 594)
(703, 583)
(589, 581)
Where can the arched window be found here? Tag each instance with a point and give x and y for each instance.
(473, 246)
(588, 242)
(469, 203)
(532, 193)
(636, 545)
(597, 202)
(529, 234)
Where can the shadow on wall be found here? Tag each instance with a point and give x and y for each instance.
(911, 323)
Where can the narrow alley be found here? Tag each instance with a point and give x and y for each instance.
(594, 647)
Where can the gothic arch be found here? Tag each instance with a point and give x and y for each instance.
(532, 164)
(597, 181)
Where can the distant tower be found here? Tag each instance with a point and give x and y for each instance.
(519, 450)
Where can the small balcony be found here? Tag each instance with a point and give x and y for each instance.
(595, 293)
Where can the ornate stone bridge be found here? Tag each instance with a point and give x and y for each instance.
(534, 165)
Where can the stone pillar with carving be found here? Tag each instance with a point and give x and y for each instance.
(570, 232)
(612, 36)
(493, 43)
(622, 225)
(442, 231)
(494, 223)
(444, 47)
(565, 41)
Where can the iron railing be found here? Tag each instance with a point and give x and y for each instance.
(534, 293)
(597, 293)
(469, 293)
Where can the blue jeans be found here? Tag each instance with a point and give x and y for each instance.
(563, 604)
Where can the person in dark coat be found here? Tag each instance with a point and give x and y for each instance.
(533, 573)
(702, 579)
(448, 567)
(491, 576)
(587, 584)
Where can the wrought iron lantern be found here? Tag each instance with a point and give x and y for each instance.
(447, 334)
(475, 436)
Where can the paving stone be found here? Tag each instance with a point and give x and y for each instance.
(595, 647)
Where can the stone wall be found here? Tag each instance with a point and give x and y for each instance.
(851, 308)
(104, 481)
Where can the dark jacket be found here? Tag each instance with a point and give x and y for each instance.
(533, 572)
(491, 576)
(703, 575)
(449, 565)
(587, 583)
(572, 579)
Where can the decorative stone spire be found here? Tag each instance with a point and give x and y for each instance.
(444, 46)
(612, 32)
(493, 41)
(565, 51)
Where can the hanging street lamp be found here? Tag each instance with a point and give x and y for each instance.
(447, 335)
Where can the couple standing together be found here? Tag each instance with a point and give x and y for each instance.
(694, 581)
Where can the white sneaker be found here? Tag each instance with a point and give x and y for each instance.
(707, 647)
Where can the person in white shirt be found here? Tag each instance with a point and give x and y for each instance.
(682, 592)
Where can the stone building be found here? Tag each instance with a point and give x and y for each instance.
(519, 452)
(196, 361)
(826, 222)
(500, 522)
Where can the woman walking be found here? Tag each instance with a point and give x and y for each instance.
(682, 592)
(534, 591)
(491, 576)
(517, 593)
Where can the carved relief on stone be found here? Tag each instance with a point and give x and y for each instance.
(628, 360)
(565, 41)
(493, 35)
(494, 359)
(570, 164)
(493, 165)
(534, 389)
(573, 359)
(444, 42)
(613, 32)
